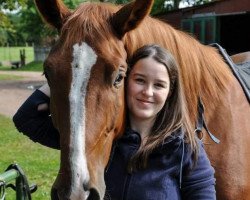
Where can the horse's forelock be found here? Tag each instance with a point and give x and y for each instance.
(88, 21)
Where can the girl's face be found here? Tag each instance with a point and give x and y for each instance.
(147, 89)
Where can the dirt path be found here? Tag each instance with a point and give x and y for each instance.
(14, 92)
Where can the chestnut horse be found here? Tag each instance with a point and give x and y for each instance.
(85, 71)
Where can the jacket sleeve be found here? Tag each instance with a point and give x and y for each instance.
(198, 178)
(37, 125)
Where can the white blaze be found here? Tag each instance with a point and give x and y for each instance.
(83, 60)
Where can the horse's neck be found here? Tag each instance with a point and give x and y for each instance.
(150, 31)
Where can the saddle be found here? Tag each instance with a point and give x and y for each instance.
(241, 71)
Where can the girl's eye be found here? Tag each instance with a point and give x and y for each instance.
(159, 85)
(139, 80)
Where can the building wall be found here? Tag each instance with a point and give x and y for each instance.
(230, 29)
(217, 7)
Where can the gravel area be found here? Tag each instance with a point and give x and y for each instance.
(14, 92)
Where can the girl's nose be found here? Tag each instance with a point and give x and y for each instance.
(148, 91)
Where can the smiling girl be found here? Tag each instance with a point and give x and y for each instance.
(159, 156)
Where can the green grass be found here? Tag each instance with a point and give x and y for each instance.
(39, 163)
(33, 66)
(13, 53)
(36, 66)
(4, 77)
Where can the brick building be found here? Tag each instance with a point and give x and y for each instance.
(226, 22)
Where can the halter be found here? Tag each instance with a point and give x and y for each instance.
(202, 123)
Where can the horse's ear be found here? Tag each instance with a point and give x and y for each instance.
(54, 12)
(130, 16)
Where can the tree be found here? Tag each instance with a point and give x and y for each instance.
(11, 4)
(31, 26)
(163, 5)
(6, 27)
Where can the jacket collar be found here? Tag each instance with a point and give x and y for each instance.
(176, 137)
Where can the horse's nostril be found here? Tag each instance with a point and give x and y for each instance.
(85, 187)
(93, 194)
(53, 194)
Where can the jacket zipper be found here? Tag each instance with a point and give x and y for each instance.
(128, 178)
(126, 186)
(111, 156)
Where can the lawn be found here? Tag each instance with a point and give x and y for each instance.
(32, 66)
(39, 163)
(13, 53)
(4, 77)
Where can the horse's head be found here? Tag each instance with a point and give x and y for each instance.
(85, 71)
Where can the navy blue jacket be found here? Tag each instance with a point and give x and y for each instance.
(37, 125)
(170, 174)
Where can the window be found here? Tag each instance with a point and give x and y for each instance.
(203, 28)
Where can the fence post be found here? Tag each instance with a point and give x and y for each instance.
(22, 56)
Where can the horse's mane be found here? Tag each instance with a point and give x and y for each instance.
(203, 71)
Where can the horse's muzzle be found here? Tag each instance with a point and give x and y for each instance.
(93, 195)
(53, 194)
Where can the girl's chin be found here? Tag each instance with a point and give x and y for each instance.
(144, 116)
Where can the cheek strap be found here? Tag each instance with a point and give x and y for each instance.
(202, 123)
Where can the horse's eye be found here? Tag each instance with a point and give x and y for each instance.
(118, 79)
(47, 77)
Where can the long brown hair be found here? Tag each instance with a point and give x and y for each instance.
(174, 114)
